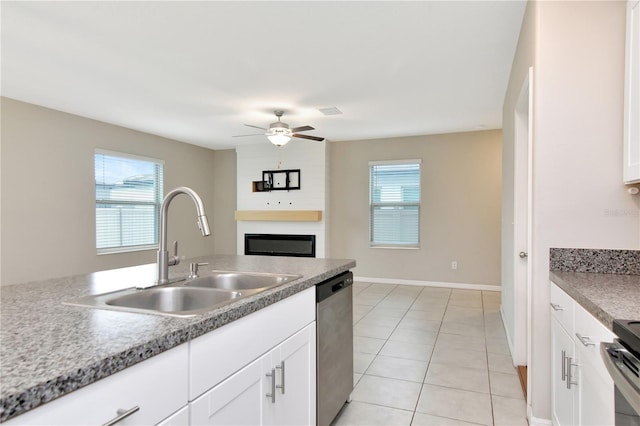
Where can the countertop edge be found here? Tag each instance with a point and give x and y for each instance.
(594, 309)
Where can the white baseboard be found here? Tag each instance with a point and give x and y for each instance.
(464, 286)
(534, 421)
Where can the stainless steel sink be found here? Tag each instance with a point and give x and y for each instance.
(230, 280)
(192, 297)
(168, 300)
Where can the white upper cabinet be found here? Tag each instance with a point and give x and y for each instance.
(632, 95)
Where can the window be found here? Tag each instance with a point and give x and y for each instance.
(395, 203)
(128, 199)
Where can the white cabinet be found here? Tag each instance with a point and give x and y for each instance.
(582, 391)
(632, 95)
(295, 370)
(239, 400)
(562, 353)
(234, 367)
(276, 389)
(158, 386)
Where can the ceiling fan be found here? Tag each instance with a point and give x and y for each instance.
(279, 132)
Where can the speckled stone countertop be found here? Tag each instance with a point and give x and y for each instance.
(605, 296)
(48, 349)
(605, 282)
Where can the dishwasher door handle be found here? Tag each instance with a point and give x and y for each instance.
(337, 287)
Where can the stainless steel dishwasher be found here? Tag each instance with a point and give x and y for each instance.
(334, 334)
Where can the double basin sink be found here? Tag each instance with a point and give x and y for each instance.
(189, 297)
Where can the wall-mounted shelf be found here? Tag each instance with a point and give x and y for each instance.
(277, 180)
(279, 215)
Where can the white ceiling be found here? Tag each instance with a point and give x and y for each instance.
(197, 71)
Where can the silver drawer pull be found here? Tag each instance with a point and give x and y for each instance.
(585, 340)
(122, 414)
(281, 368)
(564, 365)
(272, 395)
(556, 307)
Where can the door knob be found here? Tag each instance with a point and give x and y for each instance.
(523, 255)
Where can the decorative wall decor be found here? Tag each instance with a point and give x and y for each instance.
(278, 180)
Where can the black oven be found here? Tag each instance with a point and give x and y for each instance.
(622, 359)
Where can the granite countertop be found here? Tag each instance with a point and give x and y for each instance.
(605, 296)
(48, 349)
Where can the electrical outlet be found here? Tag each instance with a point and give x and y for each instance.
(454, 264)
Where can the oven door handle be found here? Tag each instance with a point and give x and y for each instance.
(626, 388)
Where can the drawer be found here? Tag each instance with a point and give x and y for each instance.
(157, 385)
(589, 333)
(562, 308)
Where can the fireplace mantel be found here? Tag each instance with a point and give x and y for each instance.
(279, 215)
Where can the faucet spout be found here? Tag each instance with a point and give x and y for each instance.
(164, 261)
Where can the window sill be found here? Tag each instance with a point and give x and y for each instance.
(395, 247)
(130, 249)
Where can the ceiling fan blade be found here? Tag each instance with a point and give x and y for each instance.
(313, 138)
(253, 134)
(256, 127)
(302, 129)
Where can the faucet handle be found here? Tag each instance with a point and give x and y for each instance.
(174, 260)
(193, 269)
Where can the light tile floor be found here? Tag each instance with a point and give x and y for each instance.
(430, 356)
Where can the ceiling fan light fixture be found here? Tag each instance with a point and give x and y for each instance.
(279, 136)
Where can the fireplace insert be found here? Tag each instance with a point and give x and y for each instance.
(280, 245)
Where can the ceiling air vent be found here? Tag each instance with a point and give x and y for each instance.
(330, 111)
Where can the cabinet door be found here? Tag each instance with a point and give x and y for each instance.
(632, 95)
(562, 403)
(238, 400)
(596, 406)
(294, 361)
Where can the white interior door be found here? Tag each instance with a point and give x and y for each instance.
(522, 221)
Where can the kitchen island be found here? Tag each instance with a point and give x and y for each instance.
(49, 349)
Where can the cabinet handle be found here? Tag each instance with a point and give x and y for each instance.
(556, 307)
(122, 414)
(569, 378)
(281, 368)
(564, 365)
(585, 340)
(272, 395)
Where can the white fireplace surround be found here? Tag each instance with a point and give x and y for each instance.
(312, 159)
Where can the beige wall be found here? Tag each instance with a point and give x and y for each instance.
(48, 195)
(577, 51)
(224, 204)
(460, 211)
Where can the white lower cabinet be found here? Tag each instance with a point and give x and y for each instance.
(295, 380)
(562, 350)
(276, 389)
(582, 391)
(157, 387)
(238, 400)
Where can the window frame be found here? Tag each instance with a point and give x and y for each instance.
(372, 205)
(156, 203)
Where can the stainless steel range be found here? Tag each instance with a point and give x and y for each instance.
(622, 359)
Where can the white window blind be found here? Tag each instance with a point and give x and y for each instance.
(128, 199)
(395, 203)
